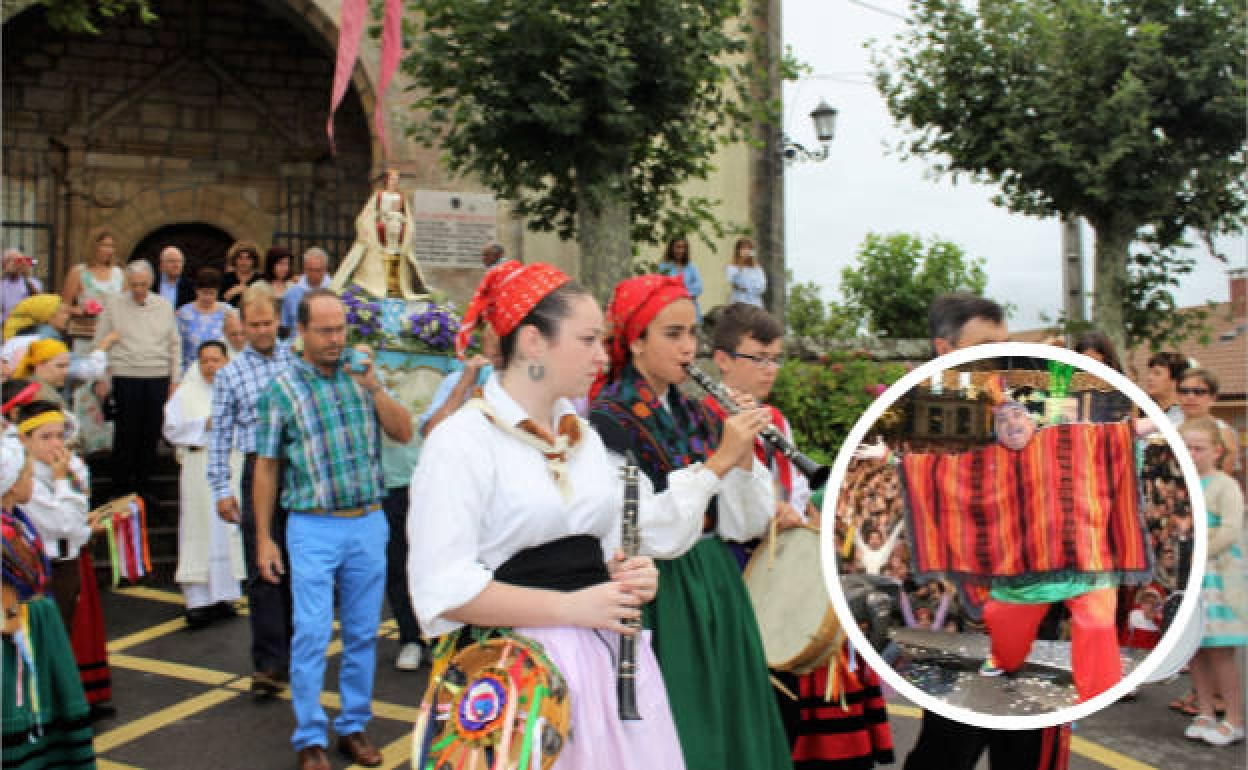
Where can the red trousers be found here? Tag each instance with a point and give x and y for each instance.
(1094, 638)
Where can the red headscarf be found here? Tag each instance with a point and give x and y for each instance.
(634, 304)
(508, 292)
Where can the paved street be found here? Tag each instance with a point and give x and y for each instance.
(183, 704)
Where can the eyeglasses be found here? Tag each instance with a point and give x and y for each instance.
(762, 362)
(1194, 391)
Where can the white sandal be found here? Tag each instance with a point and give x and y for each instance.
(1200, 728)
(1224, 734)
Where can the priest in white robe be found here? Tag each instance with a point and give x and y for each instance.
(210, 550)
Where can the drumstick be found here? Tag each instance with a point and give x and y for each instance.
(776, 683)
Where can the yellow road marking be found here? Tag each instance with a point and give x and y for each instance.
(173, 670)
(332, 700)
(1081, 746)
(155, 594)
(146, 635)
(108, 764)
(395, 753)
(158, 719)
(1108, 757)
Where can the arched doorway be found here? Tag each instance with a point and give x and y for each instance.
(202, 244)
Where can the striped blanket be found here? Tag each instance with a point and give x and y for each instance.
(1066, 504)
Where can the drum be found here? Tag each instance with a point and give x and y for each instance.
(1186, 645)
(496, 695)
(795, 616)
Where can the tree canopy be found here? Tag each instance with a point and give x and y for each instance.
(897, 276)
(587, 114)
(85, 15)
(1128, 113)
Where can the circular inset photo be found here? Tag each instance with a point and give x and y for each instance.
(1014, 537)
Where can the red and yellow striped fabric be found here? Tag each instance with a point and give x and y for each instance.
(1065, 503)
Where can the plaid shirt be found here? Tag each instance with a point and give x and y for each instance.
(328, 431)
(234, 392)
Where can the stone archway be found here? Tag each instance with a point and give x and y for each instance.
(204, 117)
(202, 244)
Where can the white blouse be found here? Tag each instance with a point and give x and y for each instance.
(479, 496)
(58, 511)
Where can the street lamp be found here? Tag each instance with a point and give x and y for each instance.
(824, 118)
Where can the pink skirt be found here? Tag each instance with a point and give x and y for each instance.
(598, 739)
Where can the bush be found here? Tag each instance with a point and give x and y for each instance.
(823, 399)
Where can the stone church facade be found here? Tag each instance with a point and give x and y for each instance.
(208, 126)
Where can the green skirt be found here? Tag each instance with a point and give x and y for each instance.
(60, 735)
(707, 643)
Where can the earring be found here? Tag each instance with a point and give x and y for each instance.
(537, 371)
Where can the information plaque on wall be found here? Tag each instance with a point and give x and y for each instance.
(451, 227)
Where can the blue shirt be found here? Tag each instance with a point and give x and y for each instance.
(292, 298)
(169, 290)
(235, 390)
(444, 391)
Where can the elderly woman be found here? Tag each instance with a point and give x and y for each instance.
(242, 269)
(204, 318)
(145, 362)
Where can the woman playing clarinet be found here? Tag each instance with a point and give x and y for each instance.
(705, 634)
(515, 518)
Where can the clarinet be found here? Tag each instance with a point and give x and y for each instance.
(815, 473)
(630, 543)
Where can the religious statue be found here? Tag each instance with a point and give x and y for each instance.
(381, 261)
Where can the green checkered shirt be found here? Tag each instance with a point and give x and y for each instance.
(327, 431)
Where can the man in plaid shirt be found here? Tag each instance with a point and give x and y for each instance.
(324, 423)
(235, 390)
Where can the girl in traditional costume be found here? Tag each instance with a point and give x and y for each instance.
(515, 518)
(44, 712)
(705, 634)
(59, 510)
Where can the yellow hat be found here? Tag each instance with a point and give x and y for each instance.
(39, 352)
(35, 309)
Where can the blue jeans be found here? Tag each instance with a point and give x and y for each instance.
(327, 552)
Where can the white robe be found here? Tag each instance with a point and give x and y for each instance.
(210, 550)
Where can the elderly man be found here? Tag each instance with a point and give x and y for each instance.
(315, 276)
(235, 335)
(145, 362)
(322, 423)
(171, 284)
(17, 282)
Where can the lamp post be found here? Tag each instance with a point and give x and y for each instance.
(824, 118)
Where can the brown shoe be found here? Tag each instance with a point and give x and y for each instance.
(359, 749)
(313, 758)
(266, 684)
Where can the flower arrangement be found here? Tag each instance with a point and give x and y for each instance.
(92, 306)
(431, 329)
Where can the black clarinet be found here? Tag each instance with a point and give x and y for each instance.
(630, 543)
(815, 473)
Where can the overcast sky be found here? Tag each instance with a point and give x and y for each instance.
(861, 188)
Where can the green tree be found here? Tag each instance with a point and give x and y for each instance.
(808, 315)
(897, 276)
(84, 16)
(587, 114)
(1129, 113)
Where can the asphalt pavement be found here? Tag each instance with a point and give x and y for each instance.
(183, 704)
